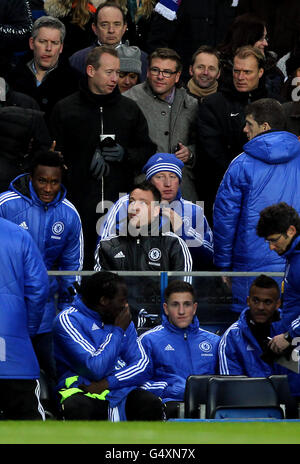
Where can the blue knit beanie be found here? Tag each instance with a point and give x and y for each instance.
(163, 162)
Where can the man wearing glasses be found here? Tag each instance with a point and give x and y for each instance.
(279, 225)
(265, 173)
(170, 112)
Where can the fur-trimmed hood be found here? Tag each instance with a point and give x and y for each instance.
(60, 9)
(57, 9)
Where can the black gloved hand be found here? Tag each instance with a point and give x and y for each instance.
(114, 153)
(98, 167)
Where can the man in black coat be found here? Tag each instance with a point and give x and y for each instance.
(104, 139)
(22, 132)
(43, 74)
(221, 121)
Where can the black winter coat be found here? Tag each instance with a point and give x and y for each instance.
(22, 132)
(59, 83)
(220, 136)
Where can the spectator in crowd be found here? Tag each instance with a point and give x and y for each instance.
(205, 70)
(130, 67)
(144, 247)
(178, 347)
(109, 26)
(282, 18)
(78, 18)
(221, 121)
(265, 173)
(248, 29)
(22, 132)
(99, 358)
(101, 169)
(189, 25)
(24, 292)
(139, 17)
(15, 28)
(45, 76)
(279, 225)
(170, 112)
(37, 202)
(186, 219)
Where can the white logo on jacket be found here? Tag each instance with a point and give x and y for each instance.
(24, 225)
(154, 254)
(58, 228)
(169, 348)
(205, 346)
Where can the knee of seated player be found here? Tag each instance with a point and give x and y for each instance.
(82, 407)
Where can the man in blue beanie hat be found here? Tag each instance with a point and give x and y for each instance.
(184, 218)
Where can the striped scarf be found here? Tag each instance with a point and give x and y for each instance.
(167, 8)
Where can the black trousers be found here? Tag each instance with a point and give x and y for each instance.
(141, 405)
(20, 400)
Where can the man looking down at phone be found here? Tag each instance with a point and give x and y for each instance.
(104, 138)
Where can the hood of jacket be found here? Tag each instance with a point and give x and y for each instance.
(23, 186)
(273, 147)
(294, 248)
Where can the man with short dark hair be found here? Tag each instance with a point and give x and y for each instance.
(266, 172)
(104, 139)
(109, 27)
(170, 112)
(45, 75)
(245, 347)
(37, 202)
(279, 225)
(178, 347)
(144, 247)
(205, 70)
(244, 341)
(221, 121)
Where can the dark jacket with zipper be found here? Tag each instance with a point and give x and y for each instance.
(162, 252)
